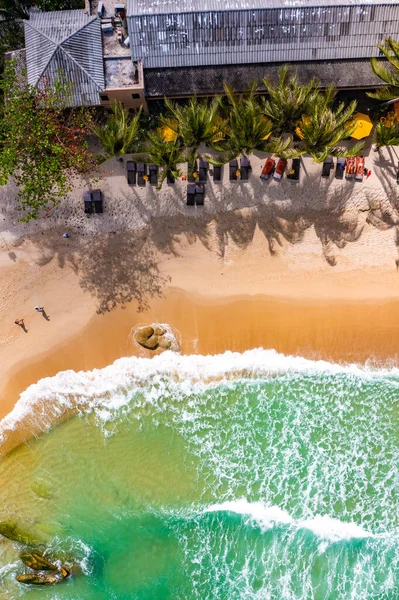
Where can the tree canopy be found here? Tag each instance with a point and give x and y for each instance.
(43, 145)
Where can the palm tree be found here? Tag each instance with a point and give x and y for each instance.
(120, 133)
(324, 127)
(247, 129)
(288, 100)
(390, 76)
(193, 124)
(164, 154)
(386, 134)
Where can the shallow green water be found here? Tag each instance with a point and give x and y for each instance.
(267, 487)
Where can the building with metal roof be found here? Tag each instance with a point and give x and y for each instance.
(67, 42)
(187, 33)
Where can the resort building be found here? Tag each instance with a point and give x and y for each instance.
(147, 49)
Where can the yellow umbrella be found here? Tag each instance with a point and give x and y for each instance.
(364, 126)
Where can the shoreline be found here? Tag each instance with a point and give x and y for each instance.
(308, 270)
(334, 330)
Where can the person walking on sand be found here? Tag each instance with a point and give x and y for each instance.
(19, 322)
(39, 309)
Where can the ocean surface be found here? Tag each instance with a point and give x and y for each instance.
(237, 477)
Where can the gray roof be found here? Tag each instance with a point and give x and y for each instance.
(152, 7)
(70, 42)
(346, 74)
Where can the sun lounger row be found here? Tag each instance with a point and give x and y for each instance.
(93, 202)
(137, 173)
(270, 169)
(239, 172)
(196, 187)
(195, 194)
(353, 168)
(201, 172)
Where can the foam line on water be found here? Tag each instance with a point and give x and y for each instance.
(54, 398)
(267, 516)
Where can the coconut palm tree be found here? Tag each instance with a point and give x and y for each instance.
(193, 124)
(120, 134)
(166, 155)
(288, 100)
(247, 129)
(324, 127)
(386, 134)
(388, 75)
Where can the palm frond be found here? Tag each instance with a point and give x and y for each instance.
(121, 132)
(386, 134)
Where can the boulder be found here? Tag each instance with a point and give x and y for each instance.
(156, 336)
(34, 560)
(143, 334)
(40, 578)
(164, 343)
(65, 572)
(158, 330)
(10, 530)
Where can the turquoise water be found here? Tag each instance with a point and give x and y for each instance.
(259, 477)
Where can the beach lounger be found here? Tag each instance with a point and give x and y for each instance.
(131, 172)
(141, 171)
(350, 169)
(203, 170)
(279, 172)
(190, 173)
(359, 168)
(191, 194)
(233, 166)
(245, 167)
(328, 164)
(268, 169)
(97, 201)
(217, 174)
(340, 168)
(199, 194)
(293, 174)
(89, 208)
(170, 178)
(153, 174)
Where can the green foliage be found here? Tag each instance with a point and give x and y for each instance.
(195, 123)
(166, 155)
(325, 127)
(288, 100)
(386, 134)
(247, 129)
(387, 74)
(121, 132)
(59, 4)
(42, 144)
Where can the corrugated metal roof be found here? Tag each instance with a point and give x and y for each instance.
(209, 80)
(152, 7)
(67, 41)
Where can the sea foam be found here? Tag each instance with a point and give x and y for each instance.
(267, 516)
(53, 399)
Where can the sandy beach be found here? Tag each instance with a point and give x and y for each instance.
(307, 269)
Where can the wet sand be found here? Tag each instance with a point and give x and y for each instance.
(338, 331)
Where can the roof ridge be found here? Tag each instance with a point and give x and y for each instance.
(79, 65)
(60, 45)
(54, 44)
(91, 19)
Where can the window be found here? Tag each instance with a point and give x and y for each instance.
(136, 96)
(104, 97)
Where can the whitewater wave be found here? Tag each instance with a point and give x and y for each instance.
(53, 399)
(267, 516)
